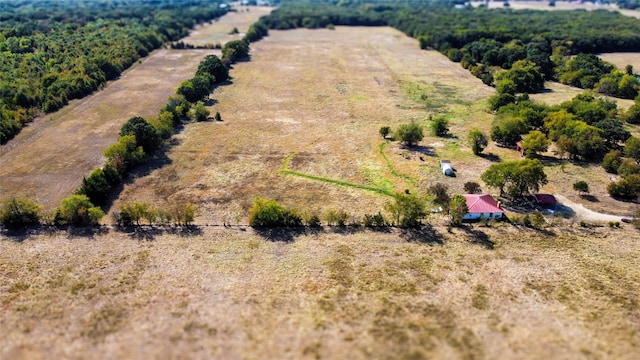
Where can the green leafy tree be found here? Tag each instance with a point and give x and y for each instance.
(182, 213)
(407, 210)
(385, 131)
(458, 209)
(632, 148)
(124, 154)
(18, 213)
(611, 162)
(212, 65)
(440, 126)
(200, 112)
(268, 213)
(526, 76)
(235, 50)
(144, 133)
(96, 187)
(626, 188)
(581, 186)
(79, 211)
(477, 140)
(535, 142)
(507, 130)
(518, 178)
(410, 134)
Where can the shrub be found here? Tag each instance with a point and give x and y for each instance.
(626, 188)
(384, 131)
(336, 217)
(611, 162)
(440, 126)
(410, 134)
(537, 220)
(458, 209)
(311, 219)
(268, 213)
(472, 187)
(376, 220)
(440, 193)
(408, 210)
(581, 186)
(477, 140)
(78, 210)
(628, 167)
(18, 213)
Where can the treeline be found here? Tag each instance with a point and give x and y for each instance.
(138, 140)
(488, 42)
(53, 52)
(586, 128)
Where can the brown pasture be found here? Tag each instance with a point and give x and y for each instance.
(48, 159)
(218, 32)
(313, 102)
(621, 60)
(560, 5)
(476, 293)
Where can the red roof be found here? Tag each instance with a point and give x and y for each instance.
(482, 203)
(545, 198)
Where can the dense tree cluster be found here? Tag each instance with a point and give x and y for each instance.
(53, 52)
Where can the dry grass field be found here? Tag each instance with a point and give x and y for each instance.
(300, 124)
(48, 159)
(560, 5)
(621, 60)
(477, 293)
(313, 101)
(218, 32)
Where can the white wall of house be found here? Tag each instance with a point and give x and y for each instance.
(476, 216)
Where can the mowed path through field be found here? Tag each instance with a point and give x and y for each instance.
(317, 98)
(48, 159)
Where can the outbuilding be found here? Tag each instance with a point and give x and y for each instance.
(482, 205)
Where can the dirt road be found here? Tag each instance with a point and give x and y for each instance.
(584, 214)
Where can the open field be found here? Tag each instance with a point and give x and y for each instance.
(621, 60)
(479, 293)
(311, 103)
(218, 31)
(300, 124)
(317, 100)
(48, 159)
(560, 5)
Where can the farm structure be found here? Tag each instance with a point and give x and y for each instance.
(445, 166)
(482, 205)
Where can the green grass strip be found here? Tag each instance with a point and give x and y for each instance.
(284, 170)
(393, 171)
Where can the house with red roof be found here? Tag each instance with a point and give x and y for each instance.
(482, 205)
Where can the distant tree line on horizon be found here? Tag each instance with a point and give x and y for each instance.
(53, 52)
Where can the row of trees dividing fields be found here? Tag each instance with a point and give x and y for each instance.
(53, 52)
(138, 140)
